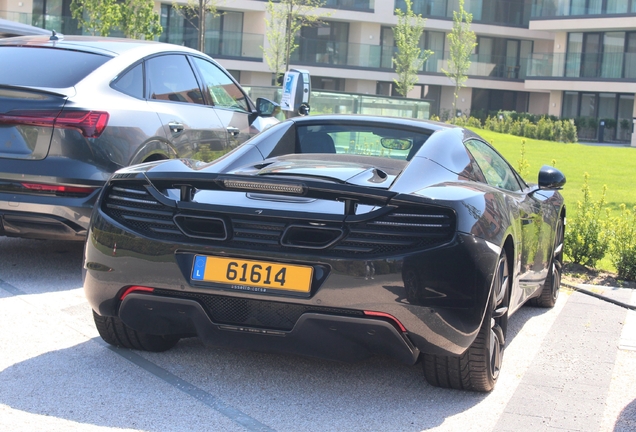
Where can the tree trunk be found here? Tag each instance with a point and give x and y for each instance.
(288, 37)
(202, 26)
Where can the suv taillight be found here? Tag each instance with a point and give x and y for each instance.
(90, 123)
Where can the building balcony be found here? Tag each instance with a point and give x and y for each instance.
(510, 13)
(355, 5)
(224, 44)
(578, 8)
(21, 17)
(316, 52)
(583, 66)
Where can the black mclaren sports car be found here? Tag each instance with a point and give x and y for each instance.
(331, 236)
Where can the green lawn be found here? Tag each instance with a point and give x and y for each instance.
(606, 165)
(614, 167)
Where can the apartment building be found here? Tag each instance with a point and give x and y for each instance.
(569, 58)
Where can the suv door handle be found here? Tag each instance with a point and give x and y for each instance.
(233, 131)
(175, 127)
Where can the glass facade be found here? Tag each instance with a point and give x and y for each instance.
(361, 5)
(430, 40)
(512, 13)
(605, 55)
(487, 100)
(54, 15)
(325, 43)
(224, 35)
(590, 109)
(501, 58)
(566, 8)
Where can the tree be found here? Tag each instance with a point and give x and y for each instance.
(139, 19)
(462, 42)
(409, 57)
(196, 12)
(96, 16)
(284, 19)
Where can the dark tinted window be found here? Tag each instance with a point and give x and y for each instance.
(367, 140)
(495, 169)
(131, 82)
(171, 78)
(46, 67)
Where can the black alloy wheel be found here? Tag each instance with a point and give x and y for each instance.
(477, 369)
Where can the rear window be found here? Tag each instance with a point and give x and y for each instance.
(46, 67)
(357, 139)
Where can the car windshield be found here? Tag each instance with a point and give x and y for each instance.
(46, 67)
(356, 139)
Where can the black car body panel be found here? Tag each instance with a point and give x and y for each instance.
(402, 248)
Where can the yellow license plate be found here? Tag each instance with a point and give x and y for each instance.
(261, 275)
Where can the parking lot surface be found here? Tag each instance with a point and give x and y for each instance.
(568, 368)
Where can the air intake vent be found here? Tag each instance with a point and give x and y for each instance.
(133, 206)
(403, 229)
(202, 227)
(310, 237)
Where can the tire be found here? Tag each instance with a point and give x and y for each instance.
(550, 291)
(477, 369)
(115, 332)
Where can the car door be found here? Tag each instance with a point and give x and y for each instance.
(173, 92)
(229, 101)
(528, 210)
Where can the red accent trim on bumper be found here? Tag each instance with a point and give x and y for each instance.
(386, 315)
(135, 288)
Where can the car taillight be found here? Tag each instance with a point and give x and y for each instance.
(41, 187)
(90, 123)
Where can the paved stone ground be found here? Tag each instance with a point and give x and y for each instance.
(572, 367)
(566, 387)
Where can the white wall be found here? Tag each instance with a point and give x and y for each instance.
(556, 101)
(539, 103)
(360, 86)
(463, 101)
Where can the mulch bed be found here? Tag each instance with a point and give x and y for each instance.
(575, 274)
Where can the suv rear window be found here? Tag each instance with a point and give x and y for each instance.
(46, 67)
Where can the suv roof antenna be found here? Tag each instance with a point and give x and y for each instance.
(54, 36)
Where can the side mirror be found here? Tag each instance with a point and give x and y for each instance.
(550, 178)
(266, 108)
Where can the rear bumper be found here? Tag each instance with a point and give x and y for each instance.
(314, 334)
(42, 217)
(47, 215)
(438, 295)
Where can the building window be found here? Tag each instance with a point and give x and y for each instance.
(503, 58)
(601, 55)
(589, 109)
(570, 105)
(327, 83)
(485, 101)
(55, 15)
(325, 43)
(507, 12)
(223, 33)
(552, 8)
(430, 40)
